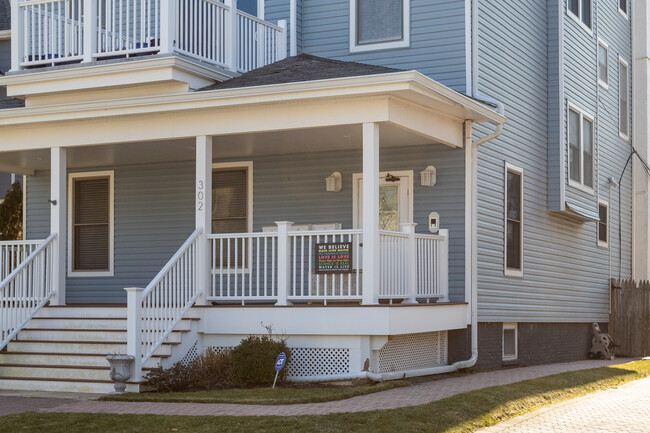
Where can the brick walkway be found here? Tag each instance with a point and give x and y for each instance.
(400, 397)
(623, 409)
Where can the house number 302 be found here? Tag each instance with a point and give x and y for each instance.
(200, 195)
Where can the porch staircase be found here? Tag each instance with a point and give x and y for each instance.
(64, 349)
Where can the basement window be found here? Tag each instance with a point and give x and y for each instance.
(510, 349)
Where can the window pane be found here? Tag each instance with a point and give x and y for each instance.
(514, 196)
(602, 225)
(91, 248)
(513, 248)
(229, 194)
(389, 208)
(623, 99)
(379, 21)
(574, 145)
(91, 226)
(602, 63)
(509, 336)
(588, 152)
(248, 6)
(586, 12)
(573, 6)
(623, 5)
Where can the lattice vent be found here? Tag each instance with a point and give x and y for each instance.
(191, 354)
(307, 361)
(413, 351)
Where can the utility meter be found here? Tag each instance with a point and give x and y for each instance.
(434, 222)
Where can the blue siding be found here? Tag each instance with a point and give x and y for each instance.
(5, 56)
(154, 208)
(437, 36)
(566, 276)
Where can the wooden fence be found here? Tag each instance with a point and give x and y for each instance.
(629, 322)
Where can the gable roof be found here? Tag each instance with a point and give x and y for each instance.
(5, 15)
(303, 67)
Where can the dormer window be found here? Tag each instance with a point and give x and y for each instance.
(379, 24)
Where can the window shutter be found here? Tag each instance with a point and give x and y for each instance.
(91, 224)
(379, 21)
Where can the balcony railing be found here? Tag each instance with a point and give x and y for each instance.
(280, 266)
(54, 32)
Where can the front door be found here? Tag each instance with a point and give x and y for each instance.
(395, 199)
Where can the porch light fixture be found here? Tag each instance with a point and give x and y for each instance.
(391, 178)
(333, 182)
(428, 176)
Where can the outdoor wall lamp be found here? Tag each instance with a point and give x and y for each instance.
(333, 182)
(391, 178)
(428, 176)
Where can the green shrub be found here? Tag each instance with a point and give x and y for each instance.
(253, 361)
(210, 370)
(11, 214)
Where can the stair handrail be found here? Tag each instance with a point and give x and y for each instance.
(153, 312)
(32, 287)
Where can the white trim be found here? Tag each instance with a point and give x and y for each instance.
(578, 19)
(603, 84)
(583, 115)
(624, 14)
(356, 192)
(623, 135)
(24, 207)
(598, 241)
(510, 326)
(111, 222)
(402, 43)
(511, 272)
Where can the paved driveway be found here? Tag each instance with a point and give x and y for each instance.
(625, 409)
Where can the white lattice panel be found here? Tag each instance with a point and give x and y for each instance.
(413, 351)
(307, 361)
(191, 354)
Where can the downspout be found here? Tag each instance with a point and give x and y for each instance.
(293, 28)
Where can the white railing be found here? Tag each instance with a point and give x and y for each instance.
(306, 283)
(413, 266)
(127, 27)
(153, 312)
(51, 32)
(26, 290)
(13, 253)
(244, 266)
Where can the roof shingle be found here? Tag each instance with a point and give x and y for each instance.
(303, 67)
(5, 15)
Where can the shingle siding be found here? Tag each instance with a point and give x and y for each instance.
(154, 208)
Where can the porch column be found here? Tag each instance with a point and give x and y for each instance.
(370, 213)
(58, 206)
(89, 30)
(203, 209)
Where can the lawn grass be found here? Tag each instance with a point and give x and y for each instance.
(269, 396)
(462, 413)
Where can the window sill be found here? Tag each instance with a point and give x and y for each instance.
(513, 273)
(603, 84)
(623, 136)
(581, 187)
(603, 245)
(584, 26)
(379, 46)
(83, 274)
(624, 14)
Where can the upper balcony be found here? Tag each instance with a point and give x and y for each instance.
(48, 33)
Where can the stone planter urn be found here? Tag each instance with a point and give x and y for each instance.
(120, 371)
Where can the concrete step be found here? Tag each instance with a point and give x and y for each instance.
(103, 348)
(97, 335)
(63, 359)
(90, 323)
(118, 311)
(48, 372)
(64, 385)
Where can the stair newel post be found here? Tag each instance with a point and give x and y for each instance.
(232, 34)
(168, 22)
(282, 40)
(411, 262)
(89, 30)
(443, 265)
(284, 259)
(134, 330)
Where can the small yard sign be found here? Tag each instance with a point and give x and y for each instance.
(279, 364)
(333, 258)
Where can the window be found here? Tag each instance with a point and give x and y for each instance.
(581, 10)
(232, 202)
(379, 24)
(623, 105)
(581, 150)
(510, 349)
(91, 224)
(252, 7)
(603, 224)
(622, 7)
(513, 221)
(603, 64)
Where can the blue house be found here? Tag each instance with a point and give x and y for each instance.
(400, 187)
